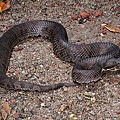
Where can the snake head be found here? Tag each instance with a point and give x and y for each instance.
(112, 62)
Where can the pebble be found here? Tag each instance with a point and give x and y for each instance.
(93, 99)
(79, 98)
(12, 70)
(72, 115)
(41, 71)
(92, 112)
(13, 104)
(90, 94)
(33, 78)
(101, 34)
(65, 89)
(59, 117)
(74, 118)
(42, 104)
(28, 118)
(41, 66)
(63, 108)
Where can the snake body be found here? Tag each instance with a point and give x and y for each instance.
(88, 59)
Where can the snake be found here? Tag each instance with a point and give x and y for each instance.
(88, 60)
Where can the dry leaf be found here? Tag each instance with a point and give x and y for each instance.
(1, 5)
(4, 6)
(0, 115)
(84, 14)
(75, 17)
(3, 115)
(7, 108)
(111, 28)
(117, 112)
(98, 13)
(103, 31)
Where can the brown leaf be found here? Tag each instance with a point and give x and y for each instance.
(103, 31)
(3, 115)
(1, 5)
(7, 108)
(4, 6)
(0, 115)
(117, 112)
(84, 14)
(90, 19)
(111, 28)
(90, 13)
(75, 17)
(98, 13)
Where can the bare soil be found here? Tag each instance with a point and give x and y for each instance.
(37, 63)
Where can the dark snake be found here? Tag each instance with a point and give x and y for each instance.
(88, 59)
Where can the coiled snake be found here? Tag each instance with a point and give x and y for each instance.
(88, 59)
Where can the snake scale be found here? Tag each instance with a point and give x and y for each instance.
(88, 59)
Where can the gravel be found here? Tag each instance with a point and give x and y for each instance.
(37, 63)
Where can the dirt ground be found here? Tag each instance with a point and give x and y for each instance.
(37, 63)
